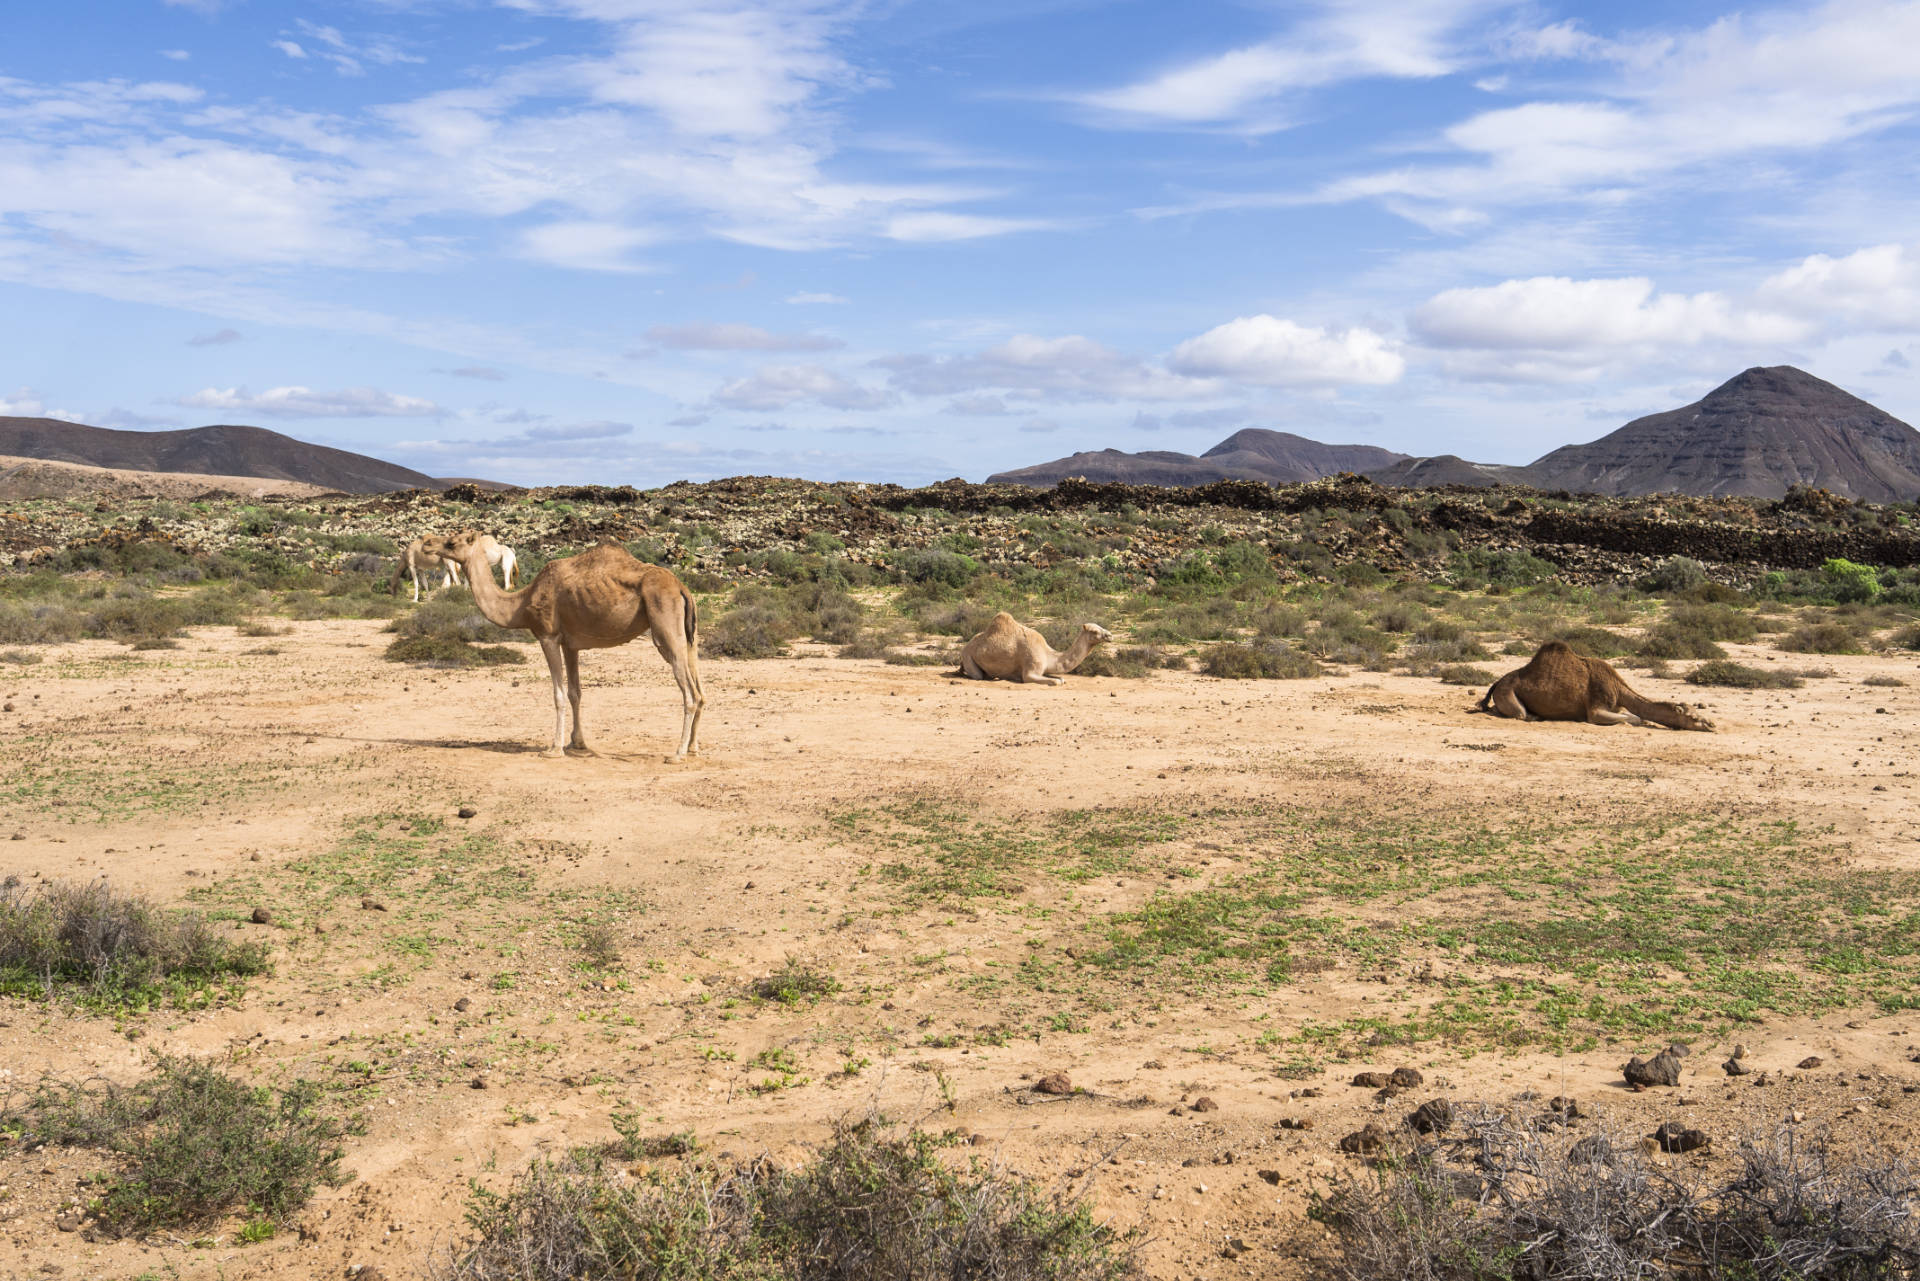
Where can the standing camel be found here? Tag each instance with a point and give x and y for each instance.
(416, 560)
(499, 556)
(595, 600)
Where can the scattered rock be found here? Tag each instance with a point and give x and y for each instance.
(1735, 1067)
(1662, 1069)
(1677, 1138)
(1205, 1104)
(1564, 1106)
(1809, 1063)
(1296, 1123)
(1233, 1249)
(1153, 1063)
(368, 903)
(1056, 1083)
(1373, 1080)
(18, 836)
(977, 1140)
(1592, 1150)
(1407, 1078)
(261, 916)
(1679, 1049)
(467, 811)
(1366, 1141)
(69, 1221)
(1431, 1117)
(479, 1083)
(1270, 1176)
(464, 1004)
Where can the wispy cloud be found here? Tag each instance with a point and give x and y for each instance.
(304, 402)
(735, 337)
(780, 386)
(216, 338)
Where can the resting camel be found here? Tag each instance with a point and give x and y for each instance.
(1560, 685)
(595, 600)
(1006, 650)
(416, 560)
(499, 556)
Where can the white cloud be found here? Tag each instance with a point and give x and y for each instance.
(175, 55)
(1246, 88)
(586, 246)
(485, 373)
(1556, 314)
(925, 227)
(778, 386)
(1873, 288)
(291, 49)
(977, 406)
(1070, 368)
(206, 8)
(1266, 351)
(1040, 426)
(304, 402)
(215, 338)
(801, 299)
(24, 403)
(734, 337)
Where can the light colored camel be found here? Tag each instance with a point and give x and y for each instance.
(596, 600)
(1560, 685)
(416, 560)
(499, 556)
(1006, 650)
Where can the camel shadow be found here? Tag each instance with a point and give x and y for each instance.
(502, 746)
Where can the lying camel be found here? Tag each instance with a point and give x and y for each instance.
(1560, 685)
(1005, 650)
(416, 560)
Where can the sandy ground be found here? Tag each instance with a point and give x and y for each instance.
(216, 770)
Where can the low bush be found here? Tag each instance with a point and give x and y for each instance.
(1461, 674)
(1907, 637)
(1130, 663)
(39, 622)
(796, 981)
(1674, 575)
(1715, 622)
(111, 949)
(195, 1144)
(1595, 642)
(873, 1204)
(20, 657)
(1671, 641)
(1821, 638)
(449, 651)
(1260, 661)
(1882, 682)
(760, 621)
(1509, 1199)
(1733, 675)
(1850, 583)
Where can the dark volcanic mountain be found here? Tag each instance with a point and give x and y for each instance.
(1276, 457)
(219, 451)
(1754, 435)
(1448, 469)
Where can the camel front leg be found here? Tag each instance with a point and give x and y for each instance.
(971, 668)
(579, 742)
(557, 669)
(1601, 716)
(1041, 678)
(416, 585)
(1505, 703)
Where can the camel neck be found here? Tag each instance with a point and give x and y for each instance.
(502, 609)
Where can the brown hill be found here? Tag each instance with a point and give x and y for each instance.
(1276, 457)
(217, 451)
(1447, 469)
(42, 478)
(1755, 435)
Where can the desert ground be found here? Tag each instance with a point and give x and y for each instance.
(1208, 903)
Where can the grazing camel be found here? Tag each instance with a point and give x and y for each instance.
(1560, 685)
(416, 560)
(1006, 650)
(596, 600)
(499, 556)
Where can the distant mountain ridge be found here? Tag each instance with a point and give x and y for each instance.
(1756, 435)
(1254, 453)
(224, 450)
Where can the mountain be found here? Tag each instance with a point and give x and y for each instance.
(219, 451)
(1448, 469)
(1754, 435)
(1276, 457)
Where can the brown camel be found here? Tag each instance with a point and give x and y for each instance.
(595, 600)
(1560, 685)
(1006, 650)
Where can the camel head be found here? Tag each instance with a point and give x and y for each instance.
(1095, 633)
(454, 547)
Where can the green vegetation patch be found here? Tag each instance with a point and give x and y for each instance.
(113, 952)
(1733, 675)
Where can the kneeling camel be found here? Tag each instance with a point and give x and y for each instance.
(1008, 651)
(1560, 685)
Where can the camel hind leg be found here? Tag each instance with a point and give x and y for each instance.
(579, 740)
(673, 632)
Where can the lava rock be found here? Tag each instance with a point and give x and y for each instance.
(464, 1004)
(1811, 1062)
(1205, 1104)
(1365, 1142)
(1056, 1083)
(1431, 1117)
(261, 916)
(1373, 1080)
(1662, 1069)
(1678, 1138)
(1407, 1078)
(467, 811)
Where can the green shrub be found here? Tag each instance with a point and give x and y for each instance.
(873, 1204)
(1461, 674)
(1131, 663)
(196, 1145)
(936, 566)
(1595, 642)
(1674, 575)
(1670, 640)
(1821, 638)
(20, 657)
(1715, 622)
(111, 949)
(1738, 676)
(1478, 566)
(796, 981)
(1850, 583)
(39, 623)
(1259, 661)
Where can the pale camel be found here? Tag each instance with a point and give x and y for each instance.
(416, 560)
(1006, 650)
(499, 556)
(1560, 685)
(595, 600)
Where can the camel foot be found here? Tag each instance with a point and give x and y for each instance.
(555, 754)
(581, 749)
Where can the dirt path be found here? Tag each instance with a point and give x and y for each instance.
(302, 772)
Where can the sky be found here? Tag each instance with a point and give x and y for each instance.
(626, 241)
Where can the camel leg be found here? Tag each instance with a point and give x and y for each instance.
(416, 585)
(579, 741)
(557, 669)
(1505, 703)
(1601, 716)
(971, 668)
(685, 663)
(1041, 678)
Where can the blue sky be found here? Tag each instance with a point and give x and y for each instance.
(549, 240)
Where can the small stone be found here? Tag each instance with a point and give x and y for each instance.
(1205, 1104)
(1431, 1117)
(1809, 1063)
(1234, 1248)
(1055, 1083)
(1735, 1066)
(1366, 1141)
(977, 1140)
(70, 1221)
(261, 916)
(1373, 1080)
(1739, 1051)
(254, 857)
(1270, 1176)
(1662, 1069)
(1796, 1116)
(368, 903)
(1679, 1049)
(18, 836)
(1564, 1106)
(464, 1004)
(467, 811)
(1677, 1138)
(479, 1083)
(1407, 1078)
(1296, 1123)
